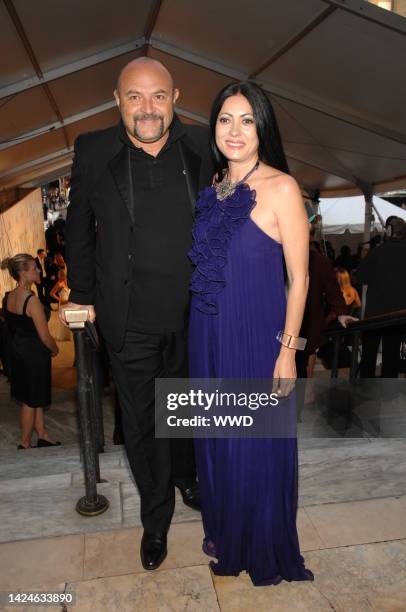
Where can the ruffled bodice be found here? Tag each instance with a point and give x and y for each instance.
(216, 222)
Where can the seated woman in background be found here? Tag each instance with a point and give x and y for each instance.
(350, 294)
(60, 292)
(31, 349)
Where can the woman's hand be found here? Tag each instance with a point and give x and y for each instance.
(55, 352)
(284, 374)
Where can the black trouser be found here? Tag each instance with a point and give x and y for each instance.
(42, 291)
(302, 357)
(156, 463)
(391, 340)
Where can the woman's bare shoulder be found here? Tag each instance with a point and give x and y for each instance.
(34, 304)
(281, 181)
(277, 187)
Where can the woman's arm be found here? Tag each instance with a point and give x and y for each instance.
(36, 311)
(294, 232)
(54, 291)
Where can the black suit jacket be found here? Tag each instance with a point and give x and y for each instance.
(41, 274)
(100, 218)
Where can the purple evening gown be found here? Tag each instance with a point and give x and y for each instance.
(248, 487)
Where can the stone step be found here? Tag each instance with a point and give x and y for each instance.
(39, 488)
(37, 462)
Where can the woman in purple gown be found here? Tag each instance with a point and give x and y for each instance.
(250, 218)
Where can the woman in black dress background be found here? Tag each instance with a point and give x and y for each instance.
(32, 348)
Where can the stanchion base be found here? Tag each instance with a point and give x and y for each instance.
(92, 509)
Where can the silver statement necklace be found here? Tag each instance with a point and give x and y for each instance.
(227, 188)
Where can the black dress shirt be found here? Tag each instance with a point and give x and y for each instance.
(384, 271)
(161, 237)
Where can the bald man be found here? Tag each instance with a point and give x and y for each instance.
(128, 232)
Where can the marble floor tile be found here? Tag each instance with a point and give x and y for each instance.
(34, 514)
(359, 522)
(44, 561)
(344, 473)
(363, 578)
(42, 588)
(309, 539)
(112, 553)
(237, 594)
(370, 577)
(118, 552)
(188, 589)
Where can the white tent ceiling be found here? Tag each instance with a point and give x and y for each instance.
(348, 214)
(334, 70)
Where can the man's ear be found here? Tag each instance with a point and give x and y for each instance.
(117, 97)
(175, 95)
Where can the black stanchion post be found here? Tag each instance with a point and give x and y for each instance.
(336, 355)
(89, 350)
(354, 355)
(97, 399)
(92, 503)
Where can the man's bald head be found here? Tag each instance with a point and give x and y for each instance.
(146, 98)
(142, 64)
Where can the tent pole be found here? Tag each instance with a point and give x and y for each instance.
(368, 193)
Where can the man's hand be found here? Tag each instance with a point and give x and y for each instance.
(345, 319)
(91, 314)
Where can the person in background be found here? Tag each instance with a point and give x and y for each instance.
(384, 272)
(61, 243)
(330, 252)
(350, 294)
(52, 270)
(32, 348)
(345, 259)
(59, 261)
(42, 285)
(51, 240)
(5, 343)
(323, 290)
(60, 293)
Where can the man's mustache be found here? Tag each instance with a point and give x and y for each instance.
(147, 116)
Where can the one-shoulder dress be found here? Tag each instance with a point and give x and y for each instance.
(248, 487)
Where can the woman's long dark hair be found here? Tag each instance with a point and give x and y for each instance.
(270, 148)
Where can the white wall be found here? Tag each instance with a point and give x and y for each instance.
(21, 231)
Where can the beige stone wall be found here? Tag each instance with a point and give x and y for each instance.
(398, 6)
(21, 231)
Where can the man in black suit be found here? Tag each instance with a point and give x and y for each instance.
(384, 272)
(40, 260)
(127, 234)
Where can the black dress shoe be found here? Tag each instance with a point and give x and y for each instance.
(153, 550)
(42, 443)
(190, 494)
